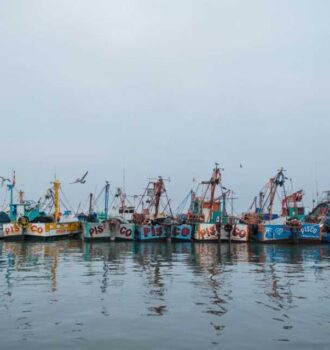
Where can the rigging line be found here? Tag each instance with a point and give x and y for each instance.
(84, 208)
(182, 205)
(67, 201)
(254, 202)
(62, 200)
(51, 208)
(278, 196)
(284, 189)
(113, 205)
(128, 201)
(63, 204)
(169, 204)
(95, 202)
(205, 192)
(5, 200)
(143, 195)
(265, 200)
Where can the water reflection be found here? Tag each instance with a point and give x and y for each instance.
(204, 290)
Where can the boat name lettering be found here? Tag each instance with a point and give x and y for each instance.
(155, 231)
(37, 229)
(184, 231)
(208, 231)
(96, 230)
(12, 229)
(239, 232)
(125, 231)
(310, 229)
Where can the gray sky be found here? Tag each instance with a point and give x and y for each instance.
(164, 87)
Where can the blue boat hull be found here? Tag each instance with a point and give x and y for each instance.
(150, 232)
(181, 232)
(277, 233)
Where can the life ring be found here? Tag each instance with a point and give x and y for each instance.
(23, 221)
(242, 233)
(228, 227)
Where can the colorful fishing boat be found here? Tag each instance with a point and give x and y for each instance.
(235, 231)
(204, 213)
(266, 226)
(153, 215)
(320, 215)
(102, 226)
(121, 219)
(95, 226)
(232, 229)
(20, 213)
(181, 230)
(37, 225)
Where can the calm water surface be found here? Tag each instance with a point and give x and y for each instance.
(69, 294)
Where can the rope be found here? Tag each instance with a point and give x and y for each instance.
(183, 204)
(67, 202)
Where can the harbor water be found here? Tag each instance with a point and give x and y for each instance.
(131, 295)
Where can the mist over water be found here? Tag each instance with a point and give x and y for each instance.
(131, 295)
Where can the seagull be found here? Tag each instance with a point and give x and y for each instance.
(3, 179)
(81, 180)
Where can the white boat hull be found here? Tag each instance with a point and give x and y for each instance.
(239, 233)
(98, 231)
(205, 232)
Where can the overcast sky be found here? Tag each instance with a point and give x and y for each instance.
(164, 87)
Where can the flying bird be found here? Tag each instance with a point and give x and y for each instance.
(3, 179)
(241, 166)
(81, 180)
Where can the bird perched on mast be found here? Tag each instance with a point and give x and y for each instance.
(81, 180)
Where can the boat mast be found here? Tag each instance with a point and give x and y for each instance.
(90, 209)
(106, 199)
(277, 181)
(214, 182)
(21, 197)
(272, 197)
(11, 202)
(158, 186)
(56, 200)
(261, 201)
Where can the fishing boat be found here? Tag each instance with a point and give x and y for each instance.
(102, 226)
(153, 215)
(181, 230)
(121, 218)
(20, 213)
(95, 226)
(38, 225)
(204, 213)
(288, 225)
(232, 228)
(235, 231)
(320, 215)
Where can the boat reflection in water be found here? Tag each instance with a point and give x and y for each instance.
(191, 294)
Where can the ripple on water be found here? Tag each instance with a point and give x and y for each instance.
(74, 294)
